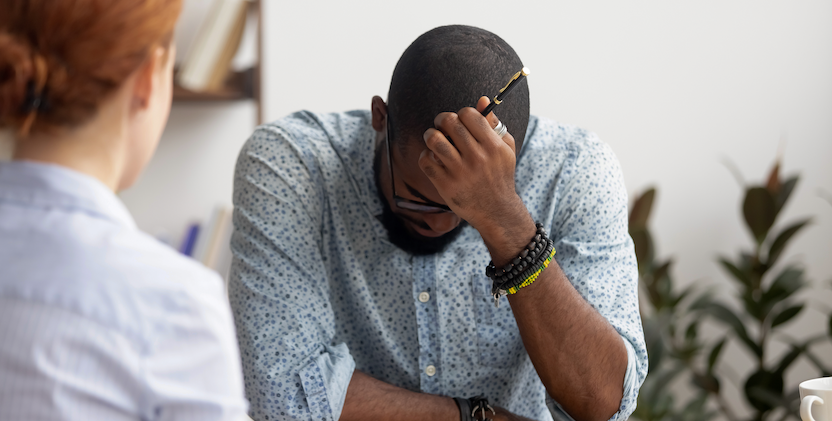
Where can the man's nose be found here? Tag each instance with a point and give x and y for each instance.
(442, 222)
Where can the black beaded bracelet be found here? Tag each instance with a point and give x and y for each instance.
(520, 263)
(538, 265)
(522, 270)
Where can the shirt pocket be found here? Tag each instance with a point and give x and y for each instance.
(498, 339)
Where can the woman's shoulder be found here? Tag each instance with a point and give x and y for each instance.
(122, 279)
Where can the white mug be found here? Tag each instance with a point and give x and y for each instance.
(816, 399)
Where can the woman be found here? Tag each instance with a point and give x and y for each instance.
(98, 321)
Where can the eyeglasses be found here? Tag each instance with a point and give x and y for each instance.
(411, 205)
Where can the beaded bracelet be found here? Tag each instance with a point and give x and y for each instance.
(523, 270)
(525, 279)
(520, 263)
(532, 277)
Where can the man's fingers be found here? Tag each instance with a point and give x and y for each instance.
(432, 166)
(481, 104)
(452, 127)
(482, 129)
(493, 121)
(441, 146)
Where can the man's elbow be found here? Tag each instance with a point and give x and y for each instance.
(608, 403)
(598, 405)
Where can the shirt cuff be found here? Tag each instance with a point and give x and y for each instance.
(628, 400)
(325, 380)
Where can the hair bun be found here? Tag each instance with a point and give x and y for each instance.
(17, 69)
(59, 62)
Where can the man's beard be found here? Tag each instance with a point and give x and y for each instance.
(410, 242)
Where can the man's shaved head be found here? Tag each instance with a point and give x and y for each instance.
(451, 67)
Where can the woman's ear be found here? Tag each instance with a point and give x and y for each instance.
(145, 78)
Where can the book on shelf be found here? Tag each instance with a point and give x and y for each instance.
(212, 247)
(190, 239)
(207, 61)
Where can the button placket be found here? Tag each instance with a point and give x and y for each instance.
(425, 299)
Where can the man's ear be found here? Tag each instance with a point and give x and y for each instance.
(379, 110)
(144, 81)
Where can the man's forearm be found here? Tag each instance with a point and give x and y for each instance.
(578, 355)
(370, 399)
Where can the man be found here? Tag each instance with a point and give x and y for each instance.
(361, 241)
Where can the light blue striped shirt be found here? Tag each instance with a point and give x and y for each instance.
(319, 291)
(99, 321)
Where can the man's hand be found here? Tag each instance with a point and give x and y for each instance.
(473, 170)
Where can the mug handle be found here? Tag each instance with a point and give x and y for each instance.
(806, 407)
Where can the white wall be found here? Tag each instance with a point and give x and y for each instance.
(673, 87)
(192, 169)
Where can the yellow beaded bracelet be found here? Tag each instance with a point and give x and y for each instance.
(533, 277)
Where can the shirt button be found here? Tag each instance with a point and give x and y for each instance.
(424, 297)
(430, 370)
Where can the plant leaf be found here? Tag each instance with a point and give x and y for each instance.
(752, 306)
(663, 284)
(678, 299)
(714, 355)
(657, 383)
(643, 242)
(773, 183)
(728, 317)
(782, 239)
(707, 382)
(760, 212)
(696, 410)
(655, 344)
(640, 213)
(788, 359)
(692, 332)
(774, 399)
(761, 387)
(736, 272)
(661, 271)
(702, 302)
(785, 191)
(787, 283)
(786, 315)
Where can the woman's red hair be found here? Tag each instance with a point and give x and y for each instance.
(59, 59)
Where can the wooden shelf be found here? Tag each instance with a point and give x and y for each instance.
(239, 86)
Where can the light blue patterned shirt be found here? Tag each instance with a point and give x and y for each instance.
(318, 291)
(99, 321)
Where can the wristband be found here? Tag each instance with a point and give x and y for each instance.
(474, 409)
(464, 409)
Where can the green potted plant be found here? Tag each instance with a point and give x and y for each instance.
(671, 328)
(766, 291)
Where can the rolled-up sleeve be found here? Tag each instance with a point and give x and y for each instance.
(278, 286)
(596, 253)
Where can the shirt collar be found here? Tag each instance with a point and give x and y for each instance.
(48, 186)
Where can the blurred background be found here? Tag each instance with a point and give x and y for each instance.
(682, 91)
